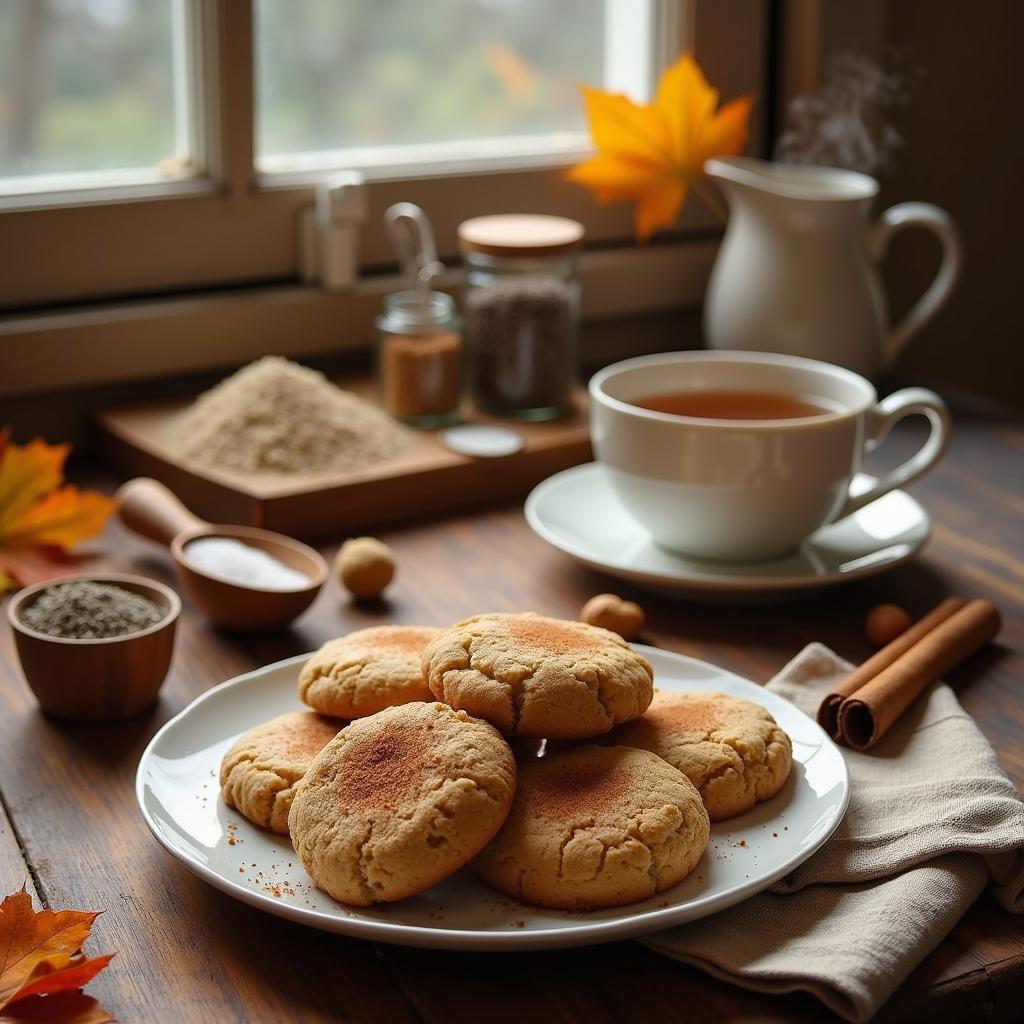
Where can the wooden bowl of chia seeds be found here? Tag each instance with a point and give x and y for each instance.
(95, 648)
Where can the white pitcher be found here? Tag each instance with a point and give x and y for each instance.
(796, 272)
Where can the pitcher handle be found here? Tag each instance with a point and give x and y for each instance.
(924, 215)
(906, 402)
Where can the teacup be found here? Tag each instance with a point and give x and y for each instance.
(745, 489)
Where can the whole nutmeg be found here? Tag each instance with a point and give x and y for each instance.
(365, 566)
(885, 622)
(609, 611)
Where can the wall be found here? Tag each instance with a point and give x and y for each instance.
(963, 135)
(66, 415)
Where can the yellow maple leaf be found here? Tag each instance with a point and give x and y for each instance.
(27, 472)
(42, 968)
(654, 153)
(40, 519)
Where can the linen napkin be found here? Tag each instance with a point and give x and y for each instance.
(932, 820)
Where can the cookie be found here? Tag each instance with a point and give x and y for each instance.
(258, 774)
(367, 671)
(400, 800)
(732, 750)
(534, 676)
(596, 826)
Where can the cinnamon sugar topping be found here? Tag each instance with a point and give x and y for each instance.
(310, 736)
(697, 715)
(409, 638)
(578, 787)
(384, 769)
(551, 636)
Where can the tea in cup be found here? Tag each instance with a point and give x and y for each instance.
(739, 456)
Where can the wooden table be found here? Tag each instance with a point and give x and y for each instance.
(70, 826)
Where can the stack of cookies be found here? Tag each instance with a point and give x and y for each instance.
(403, 772)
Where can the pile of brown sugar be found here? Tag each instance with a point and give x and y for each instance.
(275, 417)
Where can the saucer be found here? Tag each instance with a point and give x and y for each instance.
(577, 511)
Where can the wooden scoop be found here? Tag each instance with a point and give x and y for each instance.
(151, 510)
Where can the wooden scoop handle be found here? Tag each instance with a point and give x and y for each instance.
(148, 508)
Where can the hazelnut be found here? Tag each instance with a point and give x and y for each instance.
(885, 622)
(365, 566)
(609, 611)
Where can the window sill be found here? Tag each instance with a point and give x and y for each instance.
(110, 344)
(436, 160)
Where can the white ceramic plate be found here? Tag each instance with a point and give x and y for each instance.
(179, 796)
(578, 512)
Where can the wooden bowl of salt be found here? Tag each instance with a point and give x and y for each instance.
(240, 577)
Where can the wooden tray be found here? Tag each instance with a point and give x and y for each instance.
(426, 480)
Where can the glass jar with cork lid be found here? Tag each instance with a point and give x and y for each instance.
(521, 313)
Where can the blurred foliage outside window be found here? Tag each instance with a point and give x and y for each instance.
(335, 75)
(96, 85)
(88, 85)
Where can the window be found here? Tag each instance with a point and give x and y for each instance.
(165, 148)
(338, 83)
(92, 93)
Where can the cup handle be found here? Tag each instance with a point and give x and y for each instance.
(925, 215)
(907, 402)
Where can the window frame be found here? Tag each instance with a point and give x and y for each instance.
(202, 273)
(233, 225)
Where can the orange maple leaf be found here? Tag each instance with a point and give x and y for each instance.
(47, 979)
(40, 519)
(60, 519)
(654, 153)
(512, 70)
(42, 968)
(62, 1008)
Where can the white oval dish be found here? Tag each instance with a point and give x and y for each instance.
(178, 793)
(577, 512)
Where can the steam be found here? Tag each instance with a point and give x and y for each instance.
(846, 122)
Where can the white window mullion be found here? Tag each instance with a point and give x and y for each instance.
(185, 84)
(643, 38)
(630, 38)
(229, 99)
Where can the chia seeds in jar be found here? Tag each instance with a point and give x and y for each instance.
(521, 313)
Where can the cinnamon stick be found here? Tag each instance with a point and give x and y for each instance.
(866, 716)
(828, 713)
